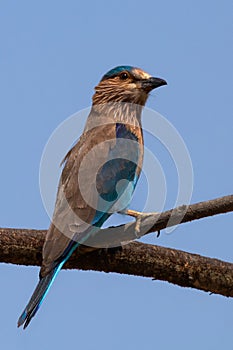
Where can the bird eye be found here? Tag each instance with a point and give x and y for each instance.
(124, 76)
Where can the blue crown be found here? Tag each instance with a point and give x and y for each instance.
(115, 71)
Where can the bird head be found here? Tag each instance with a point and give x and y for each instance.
(126, 84)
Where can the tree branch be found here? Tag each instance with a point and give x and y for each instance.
(23, 246)
(158, 221)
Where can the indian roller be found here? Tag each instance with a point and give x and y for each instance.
(99, 173)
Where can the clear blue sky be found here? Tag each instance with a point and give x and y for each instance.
(52, 55)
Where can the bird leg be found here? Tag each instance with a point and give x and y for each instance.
(138, 215)
(131, 212)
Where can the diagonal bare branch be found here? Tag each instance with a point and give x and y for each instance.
(153, 222)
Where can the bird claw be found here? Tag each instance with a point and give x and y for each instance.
(138, 217)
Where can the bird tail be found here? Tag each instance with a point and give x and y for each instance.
(38, 296)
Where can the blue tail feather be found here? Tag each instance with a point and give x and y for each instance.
(42, 288)
(38, 296)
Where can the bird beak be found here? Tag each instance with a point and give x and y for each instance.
(152, 83)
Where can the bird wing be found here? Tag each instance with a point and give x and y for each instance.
(77, 198)
(97, 170)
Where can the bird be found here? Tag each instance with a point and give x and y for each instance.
(99, 173)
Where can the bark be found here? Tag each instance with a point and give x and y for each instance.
(24, 246)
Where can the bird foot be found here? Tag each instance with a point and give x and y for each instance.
(138, 216)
